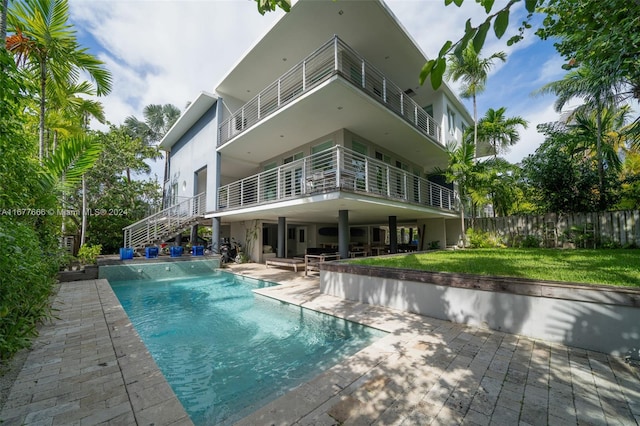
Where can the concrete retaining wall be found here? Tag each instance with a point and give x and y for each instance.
(592, 317)
(148, 269)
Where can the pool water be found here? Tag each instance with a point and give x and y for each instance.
(227, 351)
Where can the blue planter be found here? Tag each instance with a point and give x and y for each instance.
(126, 253)
(197, 251)
(151, 252)
(175, 251)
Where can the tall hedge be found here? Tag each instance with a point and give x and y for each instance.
(28, 221)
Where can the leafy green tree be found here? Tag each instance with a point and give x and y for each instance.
(115, 200)
(158, 119)
(473, 71)
(271, 5)
(599, 92)
(498, 131)
(29, 260)
(460, 168)
(601, 34)
(563, 178)
(45, 43)
(3, 20)
(629, 189)
(500, 182)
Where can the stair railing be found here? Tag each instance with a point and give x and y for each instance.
(165, 223)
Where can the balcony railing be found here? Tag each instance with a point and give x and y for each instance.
(334, 169)
(333, 58)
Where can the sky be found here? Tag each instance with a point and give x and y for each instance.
(168, 51)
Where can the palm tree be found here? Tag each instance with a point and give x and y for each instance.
(45, 44)
(599, 91)
(3, 22)
(158, 119)
(70, 115)
(498, 131)
(472, 70)
(460, 170)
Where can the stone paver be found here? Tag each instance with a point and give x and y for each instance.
(89, 367)
(428, 371)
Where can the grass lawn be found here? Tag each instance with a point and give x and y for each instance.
(608, 267)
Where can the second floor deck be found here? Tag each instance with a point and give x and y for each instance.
(334, 58)
(335, 169)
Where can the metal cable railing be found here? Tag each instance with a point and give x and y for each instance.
(336, 168)
(165, 223)
(333, 58)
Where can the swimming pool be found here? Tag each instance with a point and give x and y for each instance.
(226, 351)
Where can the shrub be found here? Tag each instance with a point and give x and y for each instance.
(480, 239)
(530, 241)
(88, 255)
(26, 281)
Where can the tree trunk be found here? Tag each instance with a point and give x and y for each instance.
(43, 89)
(84, 211)
(601, 201)
(3, 22)
(475, 127)
(462, 227)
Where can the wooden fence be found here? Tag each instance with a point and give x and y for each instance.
(577, 229)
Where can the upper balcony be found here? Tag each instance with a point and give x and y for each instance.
(334, 58)
(335, 169)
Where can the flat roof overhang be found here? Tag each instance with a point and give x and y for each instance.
(368, 26)
(324, 208)
(334, 105)
(187, 119)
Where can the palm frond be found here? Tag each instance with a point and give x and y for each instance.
(72, 159)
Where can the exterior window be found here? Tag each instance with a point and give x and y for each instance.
(399, 178)
(270, 184)
(451, 120)
(293, 174)
(358, 162)
(322, 161)
(381, 178)
(429, 110)
(174, 193)
(383, 157)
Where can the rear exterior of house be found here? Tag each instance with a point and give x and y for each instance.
(320, 138)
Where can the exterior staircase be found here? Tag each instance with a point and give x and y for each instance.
(166, 223)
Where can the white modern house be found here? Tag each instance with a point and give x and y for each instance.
(319, 137)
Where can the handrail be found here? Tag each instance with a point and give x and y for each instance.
(164, 223)
(334, 169)
(333, 58)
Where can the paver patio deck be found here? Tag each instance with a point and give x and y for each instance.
(89, 367)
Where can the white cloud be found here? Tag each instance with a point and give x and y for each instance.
(167, 51)
(551, 70)
(530, 139)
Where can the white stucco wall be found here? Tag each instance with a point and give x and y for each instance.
(196, 149)
(603, 327)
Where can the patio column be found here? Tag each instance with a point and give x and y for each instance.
(343, 233)
(393, 235)
(193, 236)
(215, 235)
(282, 237)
